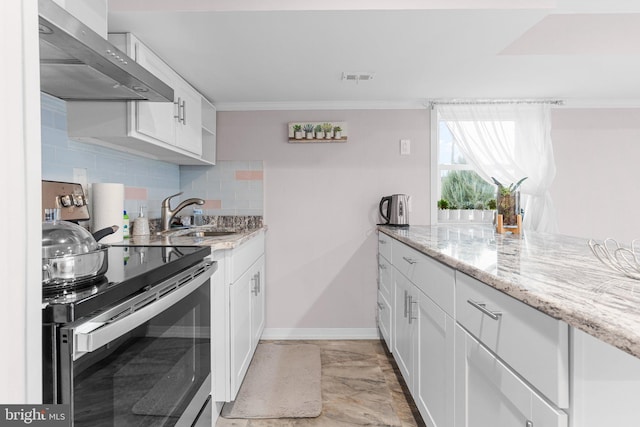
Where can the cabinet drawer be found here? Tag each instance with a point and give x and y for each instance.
(532, 343)
(490, 394)
(385, 279)
(384, 319)
(384, 246)
(245, 255)
(435, 279)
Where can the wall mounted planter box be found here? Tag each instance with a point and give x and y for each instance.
(328, 134)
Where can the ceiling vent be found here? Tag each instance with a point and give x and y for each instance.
(357, 77)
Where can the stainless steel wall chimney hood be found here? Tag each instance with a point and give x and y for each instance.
(77, 64)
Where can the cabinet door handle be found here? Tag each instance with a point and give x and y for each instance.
(380, 306)
(382, 266)
(382, 242)
(495, 315)
(254, 288)
(176, 109)
(184, 113)
(411, 302)
(409, 260)
(406, 294)
(528, 424)
(259, 282)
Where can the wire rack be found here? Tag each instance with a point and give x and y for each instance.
(617, 257)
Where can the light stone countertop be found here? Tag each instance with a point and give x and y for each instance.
(556, 274)
(179, 238)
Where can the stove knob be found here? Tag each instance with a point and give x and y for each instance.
(79, 200)
(66, 200)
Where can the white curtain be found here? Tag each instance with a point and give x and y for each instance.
(509, 142)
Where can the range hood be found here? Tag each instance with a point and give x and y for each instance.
(77, 64)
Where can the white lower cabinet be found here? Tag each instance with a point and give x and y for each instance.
(424, 336)
(472, 356)
(489, 394)
(238, 314)
(433, 389)
(403, 331)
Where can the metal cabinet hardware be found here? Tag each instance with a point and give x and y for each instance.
(382, 242)
(380, 306)
(406, 295)
(409, 260)
(184, 113)
(411, 302)
(382, 266)
(176, 109)
(495, 315)
(528, 424)
(256, 284)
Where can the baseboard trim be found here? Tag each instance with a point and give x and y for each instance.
(320, 334)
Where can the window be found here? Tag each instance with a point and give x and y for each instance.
(456, 180)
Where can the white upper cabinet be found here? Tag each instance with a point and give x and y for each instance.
(182, 131)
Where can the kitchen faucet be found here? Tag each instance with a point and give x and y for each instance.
(167, 213)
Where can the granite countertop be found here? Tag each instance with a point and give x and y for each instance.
(556, 274)
(180, 238)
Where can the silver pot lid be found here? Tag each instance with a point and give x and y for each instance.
(61, 238)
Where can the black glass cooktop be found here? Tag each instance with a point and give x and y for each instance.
(131, 268)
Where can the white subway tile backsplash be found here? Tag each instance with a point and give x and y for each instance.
(239, 194)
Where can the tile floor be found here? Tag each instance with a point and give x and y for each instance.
(359, 387)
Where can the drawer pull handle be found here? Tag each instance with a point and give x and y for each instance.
(495, 315)
(409, 260)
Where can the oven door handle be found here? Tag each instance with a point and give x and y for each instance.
(96, 333)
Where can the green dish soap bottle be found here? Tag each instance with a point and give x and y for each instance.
(125, 225)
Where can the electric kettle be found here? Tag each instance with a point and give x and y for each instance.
(397, 210)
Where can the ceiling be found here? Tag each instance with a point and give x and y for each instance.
(270, 54)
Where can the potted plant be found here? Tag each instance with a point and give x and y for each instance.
(489, 215)
(454, 212)
(466, 213)
(443, 210)
(327, 128)
(319, 132)
(308, 129)
(478, 212)
(508, 201)
(337, 133)
(297, 131)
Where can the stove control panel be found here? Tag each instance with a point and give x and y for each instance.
(68, 197)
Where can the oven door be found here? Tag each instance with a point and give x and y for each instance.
(145, 361)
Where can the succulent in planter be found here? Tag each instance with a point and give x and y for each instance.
(479, 205)
(508, 201)
(308, 128)
(443, 204)
(297, 131)
(337, 132)
(327, 128)
(491, 204)
(319, 132)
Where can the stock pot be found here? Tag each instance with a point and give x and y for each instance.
(70, 252)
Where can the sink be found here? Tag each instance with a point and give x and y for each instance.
(212, 233)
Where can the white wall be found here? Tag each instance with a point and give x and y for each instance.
(321, 204)
(596, 190)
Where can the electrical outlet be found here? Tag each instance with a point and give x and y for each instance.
(405, 147)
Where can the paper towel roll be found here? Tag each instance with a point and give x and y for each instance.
(108, 204)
